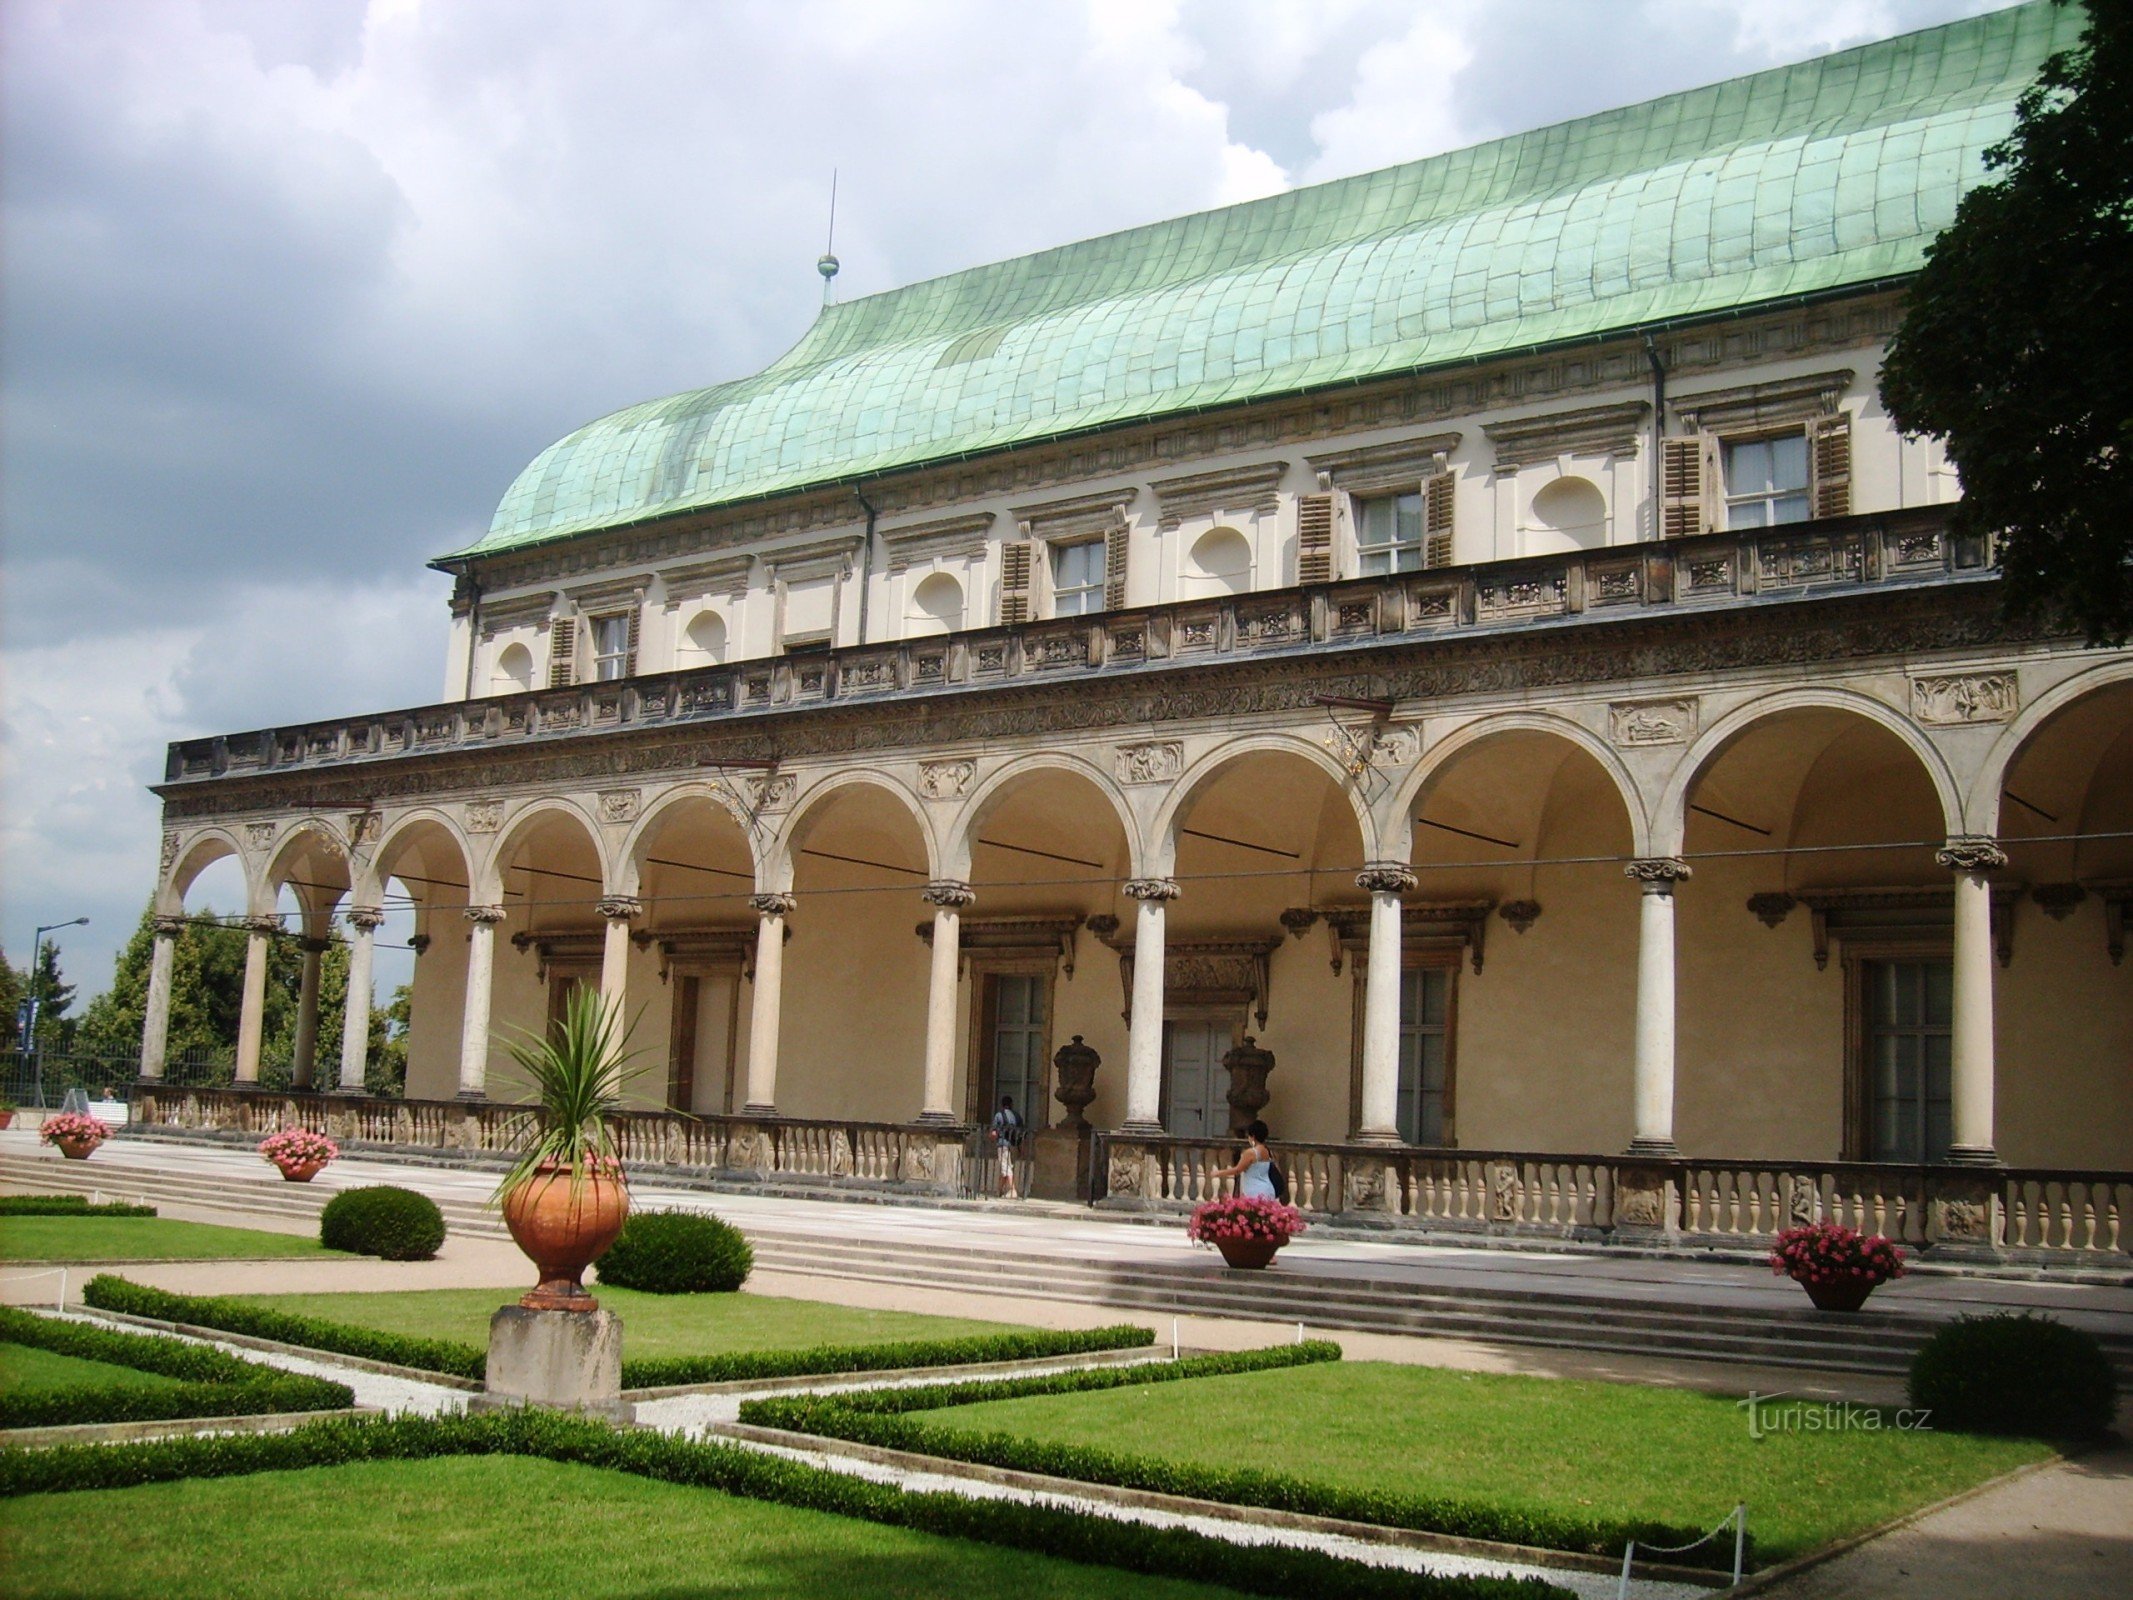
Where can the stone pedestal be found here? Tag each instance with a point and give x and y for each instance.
(1059, 1164)
(570, 1360)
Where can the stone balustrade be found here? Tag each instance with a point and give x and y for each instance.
(2017, 1213)
(1796, 562)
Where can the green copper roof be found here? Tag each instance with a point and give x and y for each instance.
(1807, 178)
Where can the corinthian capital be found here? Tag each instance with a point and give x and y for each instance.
(1386, 877)
(1659, 873)
(1972, 853)
(368, 918)
(948, 894)
(1152, 889)
(620, 907)
(261, 924)
(773, 905)
(487, 916)
(171, 927)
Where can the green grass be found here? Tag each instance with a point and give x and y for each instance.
(503, 1527)
(146, 1239)
(1526, 1444)
(654, 1324)
(27, 1370)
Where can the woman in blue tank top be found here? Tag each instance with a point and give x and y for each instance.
(1254, 1168)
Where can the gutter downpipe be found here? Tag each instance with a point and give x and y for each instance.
(866, 559)
(1651, 354)
(473, 625)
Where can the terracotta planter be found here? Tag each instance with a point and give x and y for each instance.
(300, 1171)
(1248, 1253)
(77, 1149)
(7, 1119)
(564, 1228)
(1846, 1294)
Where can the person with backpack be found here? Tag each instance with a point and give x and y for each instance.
(1006, 1137)
(1257, 1174)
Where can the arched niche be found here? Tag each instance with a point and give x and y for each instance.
(936, 606)
(1569, 513)
(703, 640)
(1219, 562)
(514, 670)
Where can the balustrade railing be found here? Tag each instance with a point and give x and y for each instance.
(2022, 1212)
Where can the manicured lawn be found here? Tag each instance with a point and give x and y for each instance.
(502, 1527)
(653, 1324)
(145, 1239)
(1522, 1443)
(27, 1370)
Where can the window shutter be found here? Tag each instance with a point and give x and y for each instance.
(1437, 501)
(1829, 453)
(562, 652)
(1115, 542)
(1688, 479)
(1314, 538)
(1014, 581)
(629, 659)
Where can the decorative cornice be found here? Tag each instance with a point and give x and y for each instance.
(772, 905)
(1971, 854)
(1076, 515)
(1659, 874)
(1782, 402)
(948, 894)
(1400, 463)
(1252, 488)
(1156, 889)
(1589, 431)
(942, 539)
(1387, 877)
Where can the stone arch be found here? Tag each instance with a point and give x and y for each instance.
(514, 670)
(196, 853)
(403, 835)
(307, 833)
(777, 863)
(1982, 812)
(629, 865)
(962, 831)
(1408, 796)
(937, 605)
(1159, 854)
(488, 876)
(1670, 819)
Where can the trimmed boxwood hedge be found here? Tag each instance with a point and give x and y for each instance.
(108, 1292)
(2015, 1374)
(1049, 1530)
(211, 1383)
(382, 1220)
(882, 1418)
(66, 1205)
(677, 1252)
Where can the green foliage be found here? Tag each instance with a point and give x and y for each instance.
(883, 1418)
(661, 1372)
(677, 1252)
(66, 1205)
(11, 992)
(1071, 1535)
(382, 1220)
(2005, 349)
(2016, 1374)
(211, 1383)
(577, 1072)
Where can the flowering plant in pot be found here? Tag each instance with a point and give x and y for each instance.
(1247, 1230)
(1837, 1266)
(7, 1113)
(75, 1132)
(299, 1153)
(564, 1198)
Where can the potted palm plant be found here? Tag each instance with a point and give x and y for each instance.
(564, 1198)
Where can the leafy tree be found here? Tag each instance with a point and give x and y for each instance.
(11, 992)
(2013, 348)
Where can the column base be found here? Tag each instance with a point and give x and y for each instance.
(930, 1119)
(1973, 1155)
(1654, 1150)
(752, 1109)
(1375, 1136)
(1142, 1130)
(472, 1097)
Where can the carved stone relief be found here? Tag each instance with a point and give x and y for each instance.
(620, 805)
(771, 793)
(1645, 722)
(944, 780)
(1149, 763)
(259, 835)
(1965, 697)
(484, 816)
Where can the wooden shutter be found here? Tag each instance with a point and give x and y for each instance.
(1688, 482)
(1314, 538)
(629, 658)
(1829, 455)
(1014, 581)
(562, 652)
(1437, 501)
(1115, 541)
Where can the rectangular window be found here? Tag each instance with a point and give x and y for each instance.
(1766, 481)
(611, 647)
(1077, 578)
(1425, 1011)
(1909, 1012)
(1389, 534)
(1018, 1032)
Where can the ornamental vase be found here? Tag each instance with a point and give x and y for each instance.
(1842, 1294)
(77, 1149)
(1250, 1254)
(564, 1227)
(300, 1171)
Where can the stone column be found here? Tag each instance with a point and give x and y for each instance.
(155, 1023)
(1652, 1095)
(363, 924)
(1144, 1035)
(1973, 861)
(304, 1058)
(1379, 1120)
(619, 910)
(947, 897)
(474, 1023)
(251, 1020)
(763, 1014)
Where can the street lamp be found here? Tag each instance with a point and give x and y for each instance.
(29, 1003)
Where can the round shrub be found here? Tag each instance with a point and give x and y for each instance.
(677, 1252)
(2015, 1374)
(382, 1220)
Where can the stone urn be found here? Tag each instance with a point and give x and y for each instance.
(1248, 1066)
(1074, 1072)
(1844, 1294)
(299, 1171)
(564, 1227)
(1248, 1254)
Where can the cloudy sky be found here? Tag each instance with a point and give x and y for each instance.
(292, 288)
